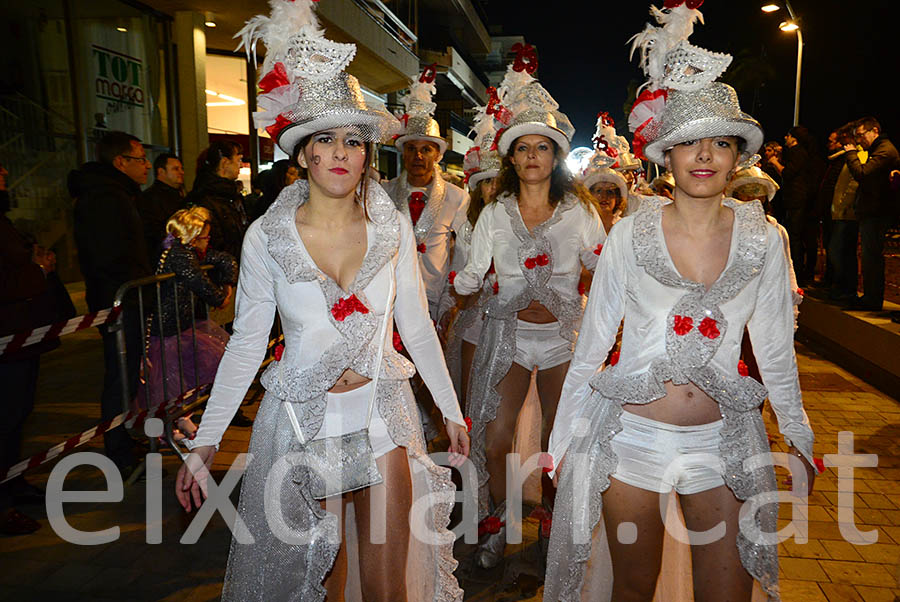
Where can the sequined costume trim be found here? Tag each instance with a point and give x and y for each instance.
(436, 192)
(687, 361)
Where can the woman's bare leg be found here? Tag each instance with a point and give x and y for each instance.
(382, 522)
(499, 432)
(636, 550)
(549, 386)
(718, 573)
(337, 577)
(466, 357)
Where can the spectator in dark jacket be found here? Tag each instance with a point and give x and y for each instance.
(112, 251)
(797, 190)
(25, 303)
(773, 166)
(825, 196)
(217, 188)
(876, 205)
(164, 197)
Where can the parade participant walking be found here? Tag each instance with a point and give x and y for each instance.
(464, 319)
(538, 234)
(111, 251)
(673, 410)
(338, 422)
(607, 186)
(436, 207)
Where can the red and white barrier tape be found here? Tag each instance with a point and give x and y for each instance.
(133, 418)
(14, 342)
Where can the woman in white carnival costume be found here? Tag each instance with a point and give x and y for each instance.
(481, 165)
(334, 257)
(607, 186)
(672, 410)
(538, 234)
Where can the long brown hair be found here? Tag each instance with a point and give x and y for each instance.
(477, 202)
(561, 180)
(362, 187)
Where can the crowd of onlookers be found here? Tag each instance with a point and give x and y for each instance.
(838, 201)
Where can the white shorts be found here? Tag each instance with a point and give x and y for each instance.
(346, 413)
(540, 345)
(657, 456)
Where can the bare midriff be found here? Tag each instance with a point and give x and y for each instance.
(683, 405)
(536, 314)
(349, 381)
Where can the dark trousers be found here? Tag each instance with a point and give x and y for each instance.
(796, 223)
(827, 229)
(842, 257)
(18, 380)
(118, 443)
(872, 231)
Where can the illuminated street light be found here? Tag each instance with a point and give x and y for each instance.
(789, 26)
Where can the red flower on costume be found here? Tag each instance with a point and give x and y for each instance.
(546, 527)
(279, 351)
(398, 343)
(346, 306)
(800, 292)
(451, 276)
(421, 248)
(682, 325)
(275, 78)
(709, 329)
(429, 74)
(496, 287)
(581, 290)
(820, 464)
(526, 58)
(545, 461)
(491, 525)
(416, 205)
(533, 262)
(743, 370)
(692, 4)
(613, 358)
(281, 122)
(468, 422)
(598, 249)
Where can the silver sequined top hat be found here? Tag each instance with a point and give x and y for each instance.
(482, 161)
(704, 113)
(592, 175)
(527, 106)
(304, 88)
(752, 175)
(418, 122)
(681, 100)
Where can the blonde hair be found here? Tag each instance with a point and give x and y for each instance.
(186, 224)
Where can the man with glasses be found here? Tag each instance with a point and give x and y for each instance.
(876, 205)
(112, 251)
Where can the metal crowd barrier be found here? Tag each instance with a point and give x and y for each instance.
(146, 295)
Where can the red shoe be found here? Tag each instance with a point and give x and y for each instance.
(16, 523)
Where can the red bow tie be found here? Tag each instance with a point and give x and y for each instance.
(416, 205)
(537, 260)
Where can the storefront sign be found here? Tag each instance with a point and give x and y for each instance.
(118, 78)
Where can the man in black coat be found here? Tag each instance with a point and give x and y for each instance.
(111, 250)
(157, 204)
(876, 205)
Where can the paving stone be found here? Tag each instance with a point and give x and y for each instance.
(807, 591)
(838, 592)
(857, 573)
(877, 594)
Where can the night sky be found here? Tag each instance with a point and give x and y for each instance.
(850, 58)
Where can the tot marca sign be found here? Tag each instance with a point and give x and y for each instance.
(118, 77)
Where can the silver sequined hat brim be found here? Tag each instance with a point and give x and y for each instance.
(442, 144)
(510, 135)
(705, 113)
(477, 177)
(606, 175)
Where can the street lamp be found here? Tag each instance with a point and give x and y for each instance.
(789, 26)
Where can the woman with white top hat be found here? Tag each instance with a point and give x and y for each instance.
(673, 411)
(338, 423)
